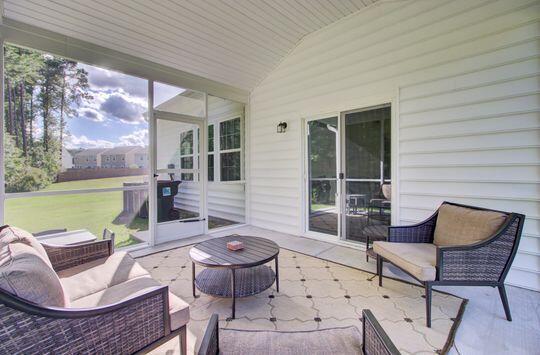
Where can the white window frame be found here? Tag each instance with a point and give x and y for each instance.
(218, 151)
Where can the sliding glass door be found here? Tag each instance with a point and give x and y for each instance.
(348, 175)
(322, 182)
(367, 188)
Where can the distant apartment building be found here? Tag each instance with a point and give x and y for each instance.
(112, 158)
(88, 158)
(141, 157)
(67, 160)
(120, 157)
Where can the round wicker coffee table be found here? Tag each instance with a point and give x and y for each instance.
(233, 274)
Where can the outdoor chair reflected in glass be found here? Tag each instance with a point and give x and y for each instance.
(378, 218)
(458, 245)
(372, 341)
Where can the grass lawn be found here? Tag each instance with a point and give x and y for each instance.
(93, 183)
(320, 206)
(91, 211)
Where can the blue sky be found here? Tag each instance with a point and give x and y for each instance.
(115, 115)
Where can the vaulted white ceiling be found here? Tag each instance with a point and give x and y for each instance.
(236, 42)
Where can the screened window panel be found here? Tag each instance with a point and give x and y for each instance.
(211, 138)
(229, 134)
(210, 167)
(186, 143)
(230, 166)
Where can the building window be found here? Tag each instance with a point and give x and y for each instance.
(210, 167)
(186, 154)
(211, 152)
(230, 150)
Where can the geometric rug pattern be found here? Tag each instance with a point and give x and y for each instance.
(314, 294)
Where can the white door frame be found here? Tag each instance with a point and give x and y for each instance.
(343, 163)
(175, 230)
(341, 167)
(306, 196)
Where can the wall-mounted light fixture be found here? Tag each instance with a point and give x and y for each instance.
(281, 127)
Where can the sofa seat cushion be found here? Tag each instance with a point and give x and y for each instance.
(418, 259)
(178, 309)
(458, 225)
(98, 275)
(25, 273)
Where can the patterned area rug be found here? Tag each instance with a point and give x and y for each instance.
(315, 294)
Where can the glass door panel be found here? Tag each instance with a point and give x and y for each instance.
(179, 187)
(367, 175)
(322, 149)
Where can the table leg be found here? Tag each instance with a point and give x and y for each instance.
(193, 279)
(277, 275)
(233, 293)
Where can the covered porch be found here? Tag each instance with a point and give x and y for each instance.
(183, 171)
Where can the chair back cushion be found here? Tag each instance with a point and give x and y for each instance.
(458, 225)
(387, 191)
(25, 269)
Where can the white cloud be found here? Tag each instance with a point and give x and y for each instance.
(72, 142)
(139, 137)
(91, 114)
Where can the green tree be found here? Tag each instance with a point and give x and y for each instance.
(44, 85)
(74, 91)
(22, 68)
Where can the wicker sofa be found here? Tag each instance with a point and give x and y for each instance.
(372, 341)
(458, 245)
(81, 299)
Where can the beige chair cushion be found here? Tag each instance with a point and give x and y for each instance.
(178, 309)
(10, 235)
(25, 273)
(85, 279)
(418, 259)
(462, 226)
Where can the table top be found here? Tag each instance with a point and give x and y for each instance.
(68, 238)
(214, 252)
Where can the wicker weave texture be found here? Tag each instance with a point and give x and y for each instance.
(420, 233)
(373, 344)
(485, 263)
(122, 331)
(70, 256)
(249, 281)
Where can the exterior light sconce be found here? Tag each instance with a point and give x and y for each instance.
(281, 127)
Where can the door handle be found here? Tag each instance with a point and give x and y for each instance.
(192, 220)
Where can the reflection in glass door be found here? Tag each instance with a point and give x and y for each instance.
(367, 200)
(322, 153)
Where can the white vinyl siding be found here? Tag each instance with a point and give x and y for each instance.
(463, 80)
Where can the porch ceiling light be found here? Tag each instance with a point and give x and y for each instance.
(281, 127)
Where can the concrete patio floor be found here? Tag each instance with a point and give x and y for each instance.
(484, 329)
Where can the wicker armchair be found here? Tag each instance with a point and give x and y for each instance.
(484, 263)
(375, 341)
(135, 324)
